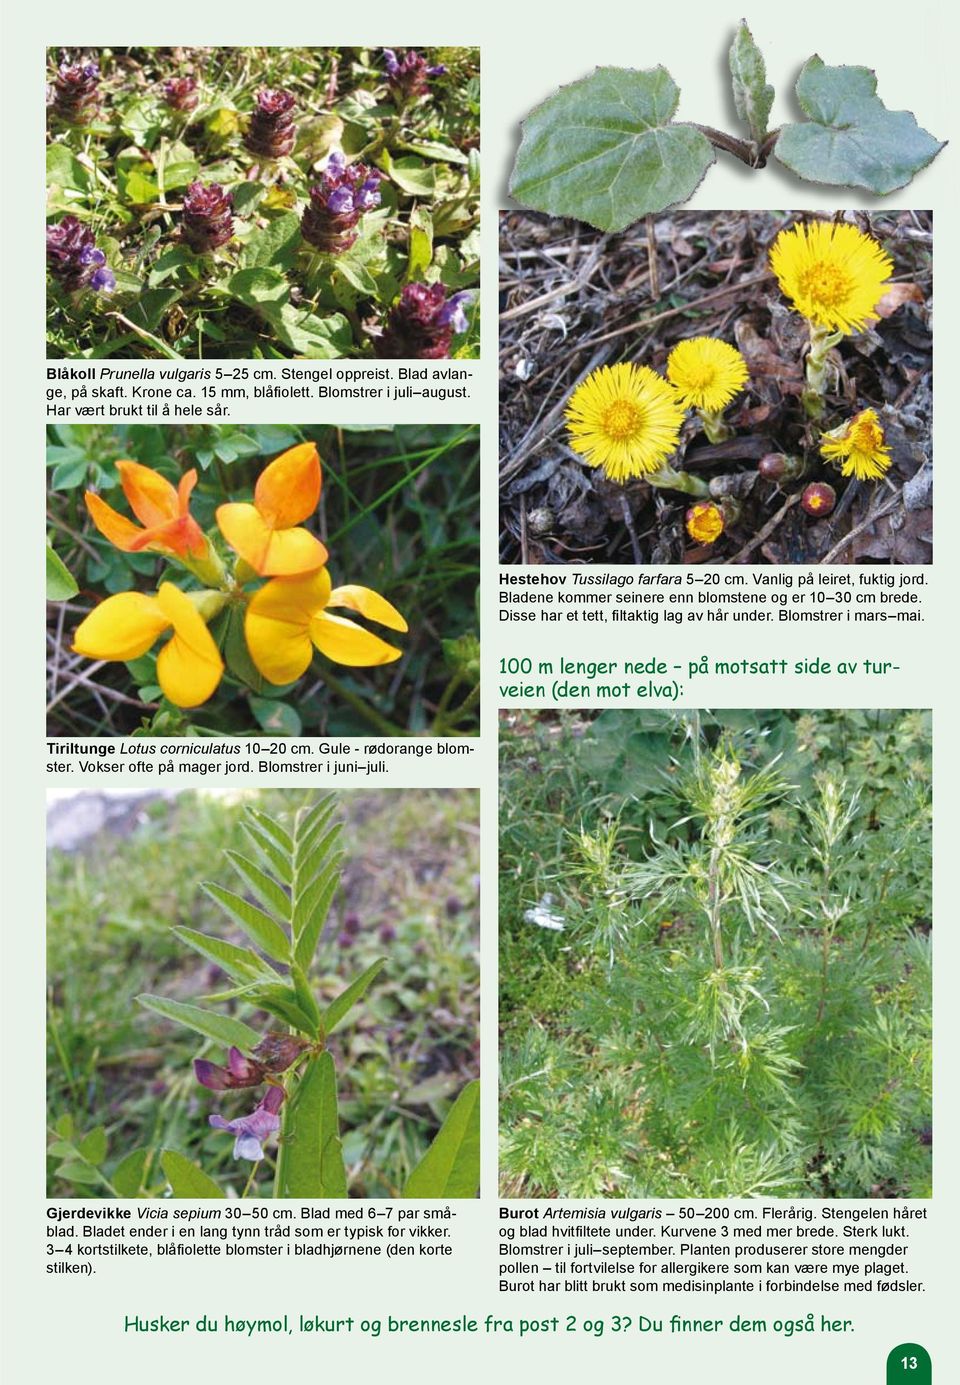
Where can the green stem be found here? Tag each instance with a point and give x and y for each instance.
(382, 724)
(714, 425)
(668, 479)
(822, 342)
(458, 713)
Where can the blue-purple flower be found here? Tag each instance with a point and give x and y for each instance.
(337, 203)
(180, 93)
(74, 260)
(251, 1131)
(422, 324)
(207, 217)
(407, 75)
(76, 89)
(273, 1054)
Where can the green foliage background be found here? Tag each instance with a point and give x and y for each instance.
(608, 1085)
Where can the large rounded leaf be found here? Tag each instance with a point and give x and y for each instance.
(851, 139)
(606, 151)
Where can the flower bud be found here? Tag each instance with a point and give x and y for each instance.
(818, 499)
(421, 324)
(207, 217)
(275, 1051)
(387, 934)
(337, 203)
(778, 466)
(271, 133)
(407, 75)
(705, 522)
(180, 93)
(74, 260)
(77, 92)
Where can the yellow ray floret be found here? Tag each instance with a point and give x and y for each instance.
(833, 274)
(859, 447)
(625, 419)
(706, 373)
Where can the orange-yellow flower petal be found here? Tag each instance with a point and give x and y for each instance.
(189, 666)
(150, 496)
(346, 643)
(122, 627)
(368, 603)
(121, 532)
(270, 552)
(277, 625)
(288, 490)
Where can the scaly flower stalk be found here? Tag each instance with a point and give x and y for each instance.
(207, 217)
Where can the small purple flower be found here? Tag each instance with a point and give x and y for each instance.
(407, 76)
(351, 923)
(239, 1072)
(207, 217)
(345, 940)
(337, 202)
(271, 133)
(252, 1130)
(386, 933)
(76, 90)
(74, 260)
(180, 93)
(421, 325)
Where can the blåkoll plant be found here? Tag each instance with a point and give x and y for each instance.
(607, 150)
(294, 874)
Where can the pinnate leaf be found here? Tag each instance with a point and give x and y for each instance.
(606, 150)
(220, 1028)
(851, 139)
(451, 1166)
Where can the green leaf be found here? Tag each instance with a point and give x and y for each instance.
(76, 1172)
(229, 1032)
(279, 718)
(313, 822)
(238, 962)
(851, 139)
(338, 1009)
(311, 912)
(420, 255)
(185, 1178)
(282, 1002)
(275, 245)
(269, 850)
(129, 1174)
(180, 165)
(752, 96)
(277, 834)
(311, 1162)
(93, 1146)
(433, 149)
(267, 292)
(64, 1125)
(604, 149)
(311, 857)
(260, 927)
(70, 474)
(67, 174)
(357, 275)
(269, 893)
(451, 1166)
(60, 583)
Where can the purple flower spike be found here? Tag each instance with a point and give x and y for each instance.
(74, 260)
(76, 90)
(422, 324)
(338, 201)
(180, 93)
(207, 217)
(407, 76)
(252, 1130)
(272, 133)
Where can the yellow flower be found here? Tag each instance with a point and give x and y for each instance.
(625, 419)
(705, 522)
(288, 616)
(265, 533)
(858, 446)
(123, 627)
(706, 373)
(833, 273)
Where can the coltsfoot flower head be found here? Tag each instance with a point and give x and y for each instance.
(337, 203)
(207, 217)
(74, 260)
(705, 522)
(272, 133)
(625, 419)
(858, 446)
(833, 274)
(76, 90)
(408, 75)
(421, 325)
(180, 93)
(818, 500)
(706, 373)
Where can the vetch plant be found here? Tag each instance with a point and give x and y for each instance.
(607, 150)
(293, 872)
